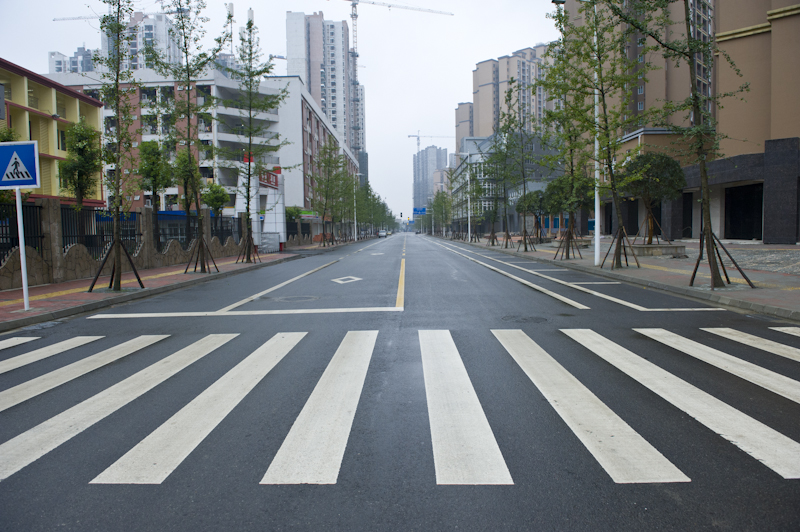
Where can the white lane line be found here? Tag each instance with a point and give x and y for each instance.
(277, 286)
(597, 294)
(32, 388)
(621, 451)
(154, 458)
(464, 447)
(17, 340)
(774, 382)
(754, 341)
(313, 450)
(523, 281)
(766, 445)
(245, 313)
(598, 282)
(788, 330)
(45, 352)
(32, 444)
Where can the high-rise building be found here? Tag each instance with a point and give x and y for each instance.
(426, 162)
(81, 61)
(464, 123)
(318, 51)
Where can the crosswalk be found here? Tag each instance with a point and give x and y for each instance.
(464, 447)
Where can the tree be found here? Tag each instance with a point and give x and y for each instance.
(654, 177)
(327, 171)
(78, 172)
(215, 197)
(570, 193)
(696, 127)
(591, 61)
(442, 210)
(155, 176)
(188, 30)
(7, 134)
(251, 103)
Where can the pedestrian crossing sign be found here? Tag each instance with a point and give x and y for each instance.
(19, 162)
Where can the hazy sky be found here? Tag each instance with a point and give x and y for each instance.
(418, 66)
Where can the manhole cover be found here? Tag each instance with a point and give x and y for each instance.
(524, 319)
(290, 299)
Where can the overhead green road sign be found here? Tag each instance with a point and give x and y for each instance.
(19, 162)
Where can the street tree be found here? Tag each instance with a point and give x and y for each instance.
(155, 176)
(188, 30)
(327, 172)
(216, 197)
(654, 177)
(251, 102)
(691, 119)
(570, 193)
(78, 172)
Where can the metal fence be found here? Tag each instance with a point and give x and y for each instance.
(224, 226)
(95, 229)
(9, 234)
(270, 243)
(172, 226)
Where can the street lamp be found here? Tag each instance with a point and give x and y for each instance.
(559, 4)
(355, 220)
(469, 209)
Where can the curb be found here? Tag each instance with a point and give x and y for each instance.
(722, 300)
(131, 296)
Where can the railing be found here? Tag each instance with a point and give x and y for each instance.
(224, 226)
(172, 226)
(95, 229)
(9, 234)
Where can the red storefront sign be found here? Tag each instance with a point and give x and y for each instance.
(268, 179)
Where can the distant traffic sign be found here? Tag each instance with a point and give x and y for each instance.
(19, 162)
(419, 212)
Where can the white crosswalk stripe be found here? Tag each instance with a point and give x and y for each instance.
(17, 340)
(788, 330)
(754, 341)
(624, 454)
(155, 457)
(765, 378)
(464, 447)
(41, 439)
(32, 388)
(312, 452)
(45, 352)
(770, 447)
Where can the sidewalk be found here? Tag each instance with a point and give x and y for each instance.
(54, 301)
(774, 269)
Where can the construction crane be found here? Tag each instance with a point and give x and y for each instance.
(354, 53)
(95, 17)
(428, 137)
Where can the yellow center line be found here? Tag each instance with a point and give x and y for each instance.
(401, 285)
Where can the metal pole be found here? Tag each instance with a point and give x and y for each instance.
(355, 221)
(596, 161)
(22, 258)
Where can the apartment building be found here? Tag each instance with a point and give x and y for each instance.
(426, 162)
(40, 109)
(81, 61)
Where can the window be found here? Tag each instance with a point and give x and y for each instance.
(641, 89)
(641, 106)
(641, 58)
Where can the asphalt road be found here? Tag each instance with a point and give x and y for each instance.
(404, 384)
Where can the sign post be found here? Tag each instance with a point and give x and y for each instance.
(19, 162)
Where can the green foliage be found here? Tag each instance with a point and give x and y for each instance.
(187, 174)
(215, 196)
(293, 214)
(156, 174)
(79, 172)
(654, 177)
(8, 134)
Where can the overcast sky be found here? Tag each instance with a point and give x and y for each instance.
(418, 66)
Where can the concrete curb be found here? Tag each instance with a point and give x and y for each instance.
(131, 296)
(719, 299)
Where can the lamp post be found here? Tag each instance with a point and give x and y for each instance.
(469, 209)
(355, 219)
(559, 5)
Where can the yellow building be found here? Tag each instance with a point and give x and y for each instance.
(40, 109)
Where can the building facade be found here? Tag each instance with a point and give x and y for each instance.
(426, 162)
(39, 109)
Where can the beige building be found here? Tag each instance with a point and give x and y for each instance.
(763, 39)
(40, 109)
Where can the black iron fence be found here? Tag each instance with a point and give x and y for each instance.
(95, 229)
(224, 226)
(173, 226)
(9, 234)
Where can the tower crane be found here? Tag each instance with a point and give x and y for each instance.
(95, 17)
(428, 137)
(354, 53)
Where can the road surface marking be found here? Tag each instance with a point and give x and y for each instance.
(17, 340)
(345, 280)
(754, 341)
(45, 352)
(464, 447)
(621, 451)
(759, 376)
(766, 445)
(523, 281)
(43, 438)
(267, 291)
(788, 330)
(153, 459)
(32, 388)
(313, 450)
(245, 313)
(597, 282)
(577, 286)
(401, 285)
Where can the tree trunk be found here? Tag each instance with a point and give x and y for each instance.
(117, 286)
(620, 230)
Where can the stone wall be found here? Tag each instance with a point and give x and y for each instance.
(76, 262)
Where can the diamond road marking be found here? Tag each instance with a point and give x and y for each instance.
(345, 280)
